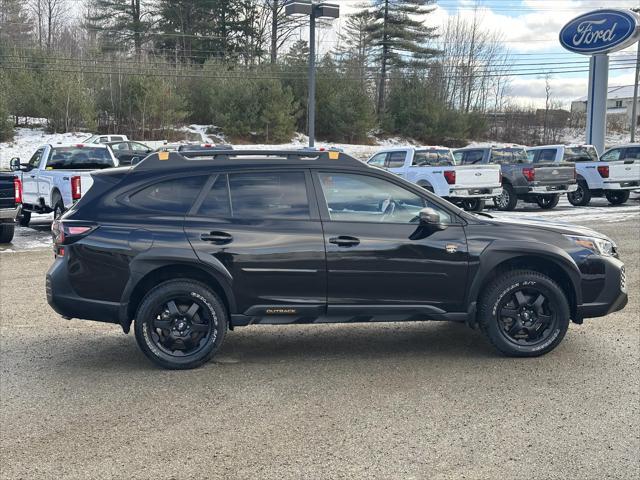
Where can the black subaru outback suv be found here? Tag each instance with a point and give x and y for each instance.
(190, 245)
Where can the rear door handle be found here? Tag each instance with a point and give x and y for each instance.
(219, 238)
(345, 241)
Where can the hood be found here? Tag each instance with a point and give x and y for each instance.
(539, 223)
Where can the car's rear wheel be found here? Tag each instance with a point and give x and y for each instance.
(473, 205)
(547, 202)
(581, 196)
(617, 198)
(180, 324)
(6, 232)
(24, 219)
(524, 313)
(507, 200)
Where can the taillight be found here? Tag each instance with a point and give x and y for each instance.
(450, 176)
(76, 188)
(67, 233)
(603, 170)
(17, 190)
(529, 173)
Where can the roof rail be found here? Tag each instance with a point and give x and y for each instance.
(165, 159)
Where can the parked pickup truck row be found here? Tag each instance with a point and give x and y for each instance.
(434, 169)
(57, 176)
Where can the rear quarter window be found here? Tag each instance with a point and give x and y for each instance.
(174, 196)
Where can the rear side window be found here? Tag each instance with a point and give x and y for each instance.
(217, 203)
(433, 158)
(170, 196)
(472, 157)
(79, 158)
(506, 156)
(632, 153)
(396, 159)
(580, 154)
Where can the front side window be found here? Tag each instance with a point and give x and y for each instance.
(173, 196)
(611, 155)
(378, 160)
(79, 158)
(138, 147)
(363, 198)
(258, 195)
(34, 161)
(120, 146)
(433, 158)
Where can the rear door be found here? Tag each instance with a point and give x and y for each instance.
(263, 228)
(376, 253)
(396, 162)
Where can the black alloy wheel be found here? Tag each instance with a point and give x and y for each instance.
(526, 318)
(547, 202)
(581, 196)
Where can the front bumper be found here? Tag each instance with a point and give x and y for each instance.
(617, 185)
(611, 296)
(67, 303)
(553, 189)
(10, 213)
(465, 193)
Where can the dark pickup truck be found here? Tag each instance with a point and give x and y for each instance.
(10, 205)
(523, 178)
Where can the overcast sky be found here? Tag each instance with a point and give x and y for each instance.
(530, 29)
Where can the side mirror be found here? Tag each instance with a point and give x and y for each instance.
(135, 160)
(430, 218)
(14, 164)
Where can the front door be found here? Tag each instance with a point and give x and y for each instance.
(379, 256)
(262, 228)
(30, 185)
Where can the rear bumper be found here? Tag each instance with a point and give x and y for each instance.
(10, 213)
(484, 192)
(553, 189)
(617, 185)
(67, 303)
(613, 295)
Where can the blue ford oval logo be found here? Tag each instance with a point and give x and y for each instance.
(601, 31)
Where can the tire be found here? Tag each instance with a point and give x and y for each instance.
(547, 202)
(24, 219)
(537, 327)
(474, 205)
(428, 188)
(617, 198)
(163, 345)
(580, 197)
(507, 200)
(6, 232)
(58, 207)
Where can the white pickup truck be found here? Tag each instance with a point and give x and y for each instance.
(597, 177)
(57, 176)
(434, 169)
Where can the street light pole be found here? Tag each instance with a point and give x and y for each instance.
(634, 108)
(311, 102)
(314, 11)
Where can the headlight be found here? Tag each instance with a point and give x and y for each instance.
(599, 246)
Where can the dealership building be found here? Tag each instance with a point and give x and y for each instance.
(619, 103)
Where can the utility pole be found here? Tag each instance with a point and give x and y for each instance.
(634, 108)
(314, 11)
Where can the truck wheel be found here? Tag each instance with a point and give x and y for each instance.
(580, 197)
(6, 232)
(24, 219)
(180, 324)
(617, 198)
(507, 200)
(524, 313)
(473, 205)
(547, 202)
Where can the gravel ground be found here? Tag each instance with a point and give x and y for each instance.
(424, 400)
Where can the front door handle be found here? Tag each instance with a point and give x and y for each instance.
(219, 238)
(345, 241)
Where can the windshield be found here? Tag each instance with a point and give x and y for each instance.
(509, 155)
(79, 158)
(433, 157)
(580, 154)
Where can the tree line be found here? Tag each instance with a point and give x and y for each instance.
(144, 67)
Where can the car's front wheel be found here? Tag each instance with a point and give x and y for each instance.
(617, 198)
(524, 313)
(507, 200)
(180, 324)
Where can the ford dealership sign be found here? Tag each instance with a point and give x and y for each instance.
(601, 31)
